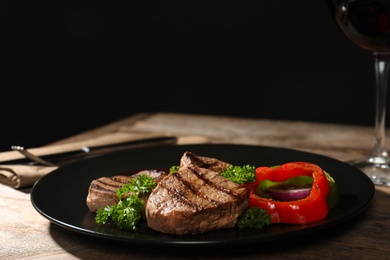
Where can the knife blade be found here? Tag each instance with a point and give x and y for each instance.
(87, 152)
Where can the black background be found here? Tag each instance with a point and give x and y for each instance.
(68, 67)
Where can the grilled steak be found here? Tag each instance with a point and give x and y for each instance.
(194, 200)
(102, 191)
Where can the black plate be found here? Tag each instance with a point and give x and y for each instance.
(61, 195)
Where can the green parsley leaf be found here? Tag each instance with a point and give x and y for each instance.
(174, 168)
(127, 212)
(103, 214)
(255, 218)
(240, 174)
(140, 185)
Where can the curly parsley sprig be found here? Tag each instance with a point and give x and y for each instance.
(174, 168)
(255, 218)
(127, 212)
(240, 174)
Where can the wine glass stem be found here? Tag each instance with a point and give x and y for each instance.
(382, 66)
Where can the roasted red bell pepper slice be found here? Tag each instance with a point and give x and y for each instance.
(310, 209)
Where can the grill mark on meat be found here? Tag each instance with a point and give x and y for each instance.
(185, 182)
(108, 184)
(181, 196)
(122, 178)
(214, 185)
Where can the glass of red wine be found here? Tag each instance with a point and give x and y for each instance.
(367, 24)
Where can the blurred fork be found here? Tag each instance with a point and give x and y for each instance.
(31, 156)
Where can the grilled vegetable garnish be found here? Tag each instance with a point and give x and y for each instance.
(302, 211)
(127, 213)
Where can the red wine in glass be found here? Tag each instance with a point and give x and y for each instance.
(367, 24)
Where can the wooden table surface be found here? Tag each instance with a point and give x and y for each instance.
(25, 234)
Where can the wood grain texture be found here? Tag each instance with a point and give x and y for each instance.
(25, 234)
